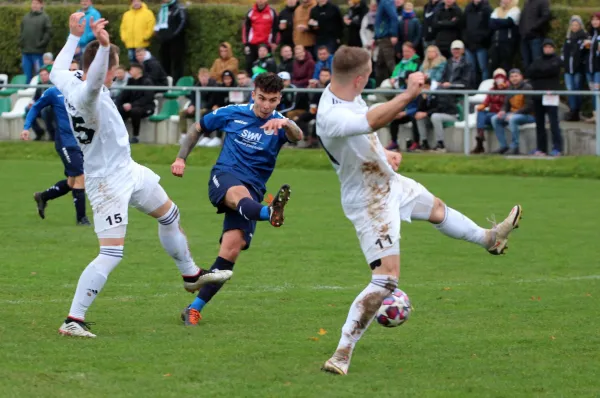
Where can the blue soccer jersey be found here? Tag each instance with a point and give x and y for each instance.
(248, 152)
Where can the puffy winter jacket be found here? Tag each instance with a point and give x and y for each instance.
(573, 52)
(477, 32)
(505, 29)
(260, 26)
(544, 73)
(535, 19)
(447, 23)
(137, 27)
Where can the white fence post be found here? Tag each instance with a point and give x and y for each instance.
(198, 95)
(467, 130)
(597, 123)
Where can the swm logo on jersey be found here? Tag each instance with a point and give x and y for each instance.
(250, 136)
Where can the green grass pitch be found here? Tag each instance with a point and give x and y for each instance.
(520, 325)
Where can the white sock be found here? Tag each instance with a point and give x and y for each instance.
(458, 226)
(175, 242)
(93, 278)
(363, 311)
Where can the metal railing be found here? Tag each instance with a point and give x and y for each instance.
(465, 94)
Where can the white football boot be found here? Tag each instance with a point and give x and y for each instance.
(206, 277)
(338, 364)
(72, 327)
(504, 229)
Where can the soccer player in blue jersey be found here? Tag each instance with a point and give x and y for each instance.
(255, 133)
(69, 152)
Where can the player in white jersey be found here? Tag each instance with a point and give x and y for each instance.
(374, 197)
(113, 181)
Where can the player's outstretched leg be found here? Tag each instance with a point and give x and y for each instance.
(363, 311)
(176, 245)
(77, 185)
(253, 210)
(55, 191)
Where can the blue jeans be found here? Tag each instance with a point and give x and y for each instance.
(514, 122)
(594, 83)
(574, 82)
(479, 59)
(484, 119)
(131, 55)
(31, 64)
(530, 50)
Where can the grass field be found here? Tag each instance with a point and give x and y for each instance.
(521, 325)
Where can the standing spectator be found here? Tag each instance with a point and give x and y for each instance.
(490, 107)
(286, 23)
(593, 60)
(357, 9)
(447, 23)
(325, 61)
(204, 80)
(504, 24)
(408, 64)
(434, 64)
(367, 32)
(326, 20)
(544, 73)
(476, 36)
(303, 36)
(121, 78)
(458, 72)
(136, 104)
(226, 61)
(287, 60)
(264, 62)
(169, 28)
(305, 118)
(47, 114)
(153, 70)
(137, 27)
(386, 37)
(35, 35)
(429, 12)
(573, 57)
(47, 59)
(534, 26)
(260, 27)
(440, 109)
(409, 29)
(517, 110)
(90, 12)
(304, 67)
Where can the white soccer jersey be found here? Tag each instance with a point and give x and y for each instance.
(358, 157)
(97, 124)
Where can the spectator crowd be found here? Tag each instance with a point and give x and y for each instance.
(456, 48)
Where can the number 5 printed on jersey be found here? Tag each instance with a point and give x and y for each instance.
(83, 134)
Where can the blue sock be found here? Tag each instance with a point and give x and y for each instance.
(207, 292)
(252, 210)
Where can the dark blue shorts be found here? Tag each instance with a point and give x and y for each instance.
(218, 185)
(72, 158)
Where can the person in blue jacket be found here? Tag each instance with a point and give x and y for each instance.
(68, 150)
(88, 36)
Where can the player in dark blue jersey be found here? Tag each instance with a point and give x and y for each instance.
(69, 152)
(255, 133)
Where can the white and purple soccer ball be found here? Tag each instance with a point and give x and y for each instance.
(394, 310)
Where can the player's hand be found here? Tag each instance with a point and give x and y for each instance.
(274, 125)
(99, 30)
(394, 159)
(25, 135)
(77, 24)
(414, 84)
(178, 167)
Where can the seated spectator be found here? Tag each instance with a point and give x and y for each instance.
(517, 110)
(434, 64)
(287, 60)
(204, 80)
(136, 104)
(243, 80)
(544, 74)
(306, 117)
(458, 72)
(407, 65)
(288, 98)
(47, 114)
(226, 61)
(48, 59)
(490, 107)
(592, 66)
(573, 55)
(325, 61)
(220, 99)
(121, 78)
(264, 62)
(304, 67)
(153, 70)
(408, 116)
(409, 29)
(439, 109)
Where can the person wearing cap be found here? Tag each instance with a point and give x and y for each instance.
(504, 26)
(288, 98)
(544, 74)
(476, 36)
(458, 72)
(490, 107)
(517, 110)
(533, 27)
(136, 104)
(592, 66)
(448, 23)
(573, 56)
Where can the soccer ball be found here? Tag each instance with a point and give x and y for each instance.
(394, 310)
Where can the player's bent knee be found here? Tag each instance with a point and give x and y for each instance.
(438, 213)
(78, 182)
(389, 265)
(235, 194)
(111, 241)
(162, 209)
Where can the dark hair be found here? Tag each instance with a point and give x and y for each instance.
(243, 72)
(122, 67)
(325, 70)
(90, 53)
(408, 44)
(268, 82)
(136, 65)
(323, 48)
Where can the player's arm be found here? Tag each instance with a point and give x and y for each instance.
(96, 73)
(292, 131)
(60, 74)
(33, 114)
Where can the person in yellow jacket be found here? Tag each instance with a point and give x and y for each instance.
(137, 27)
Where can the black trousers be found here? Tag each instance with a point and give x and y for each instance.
(395, 126)
(501, 56)
(136, 114)
(540, 112)
(172, 58)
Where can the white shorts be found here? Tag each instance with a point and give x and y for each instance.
(110, 197)
(377, 224)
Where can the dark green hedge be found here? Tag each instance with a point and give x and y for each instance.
(208, 25)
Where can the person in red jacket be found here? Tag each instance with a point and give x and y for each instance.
(492, 104)
(260, 27)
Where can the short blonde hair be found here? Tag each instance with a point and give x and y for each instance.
(349, 62)
(203, 71)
